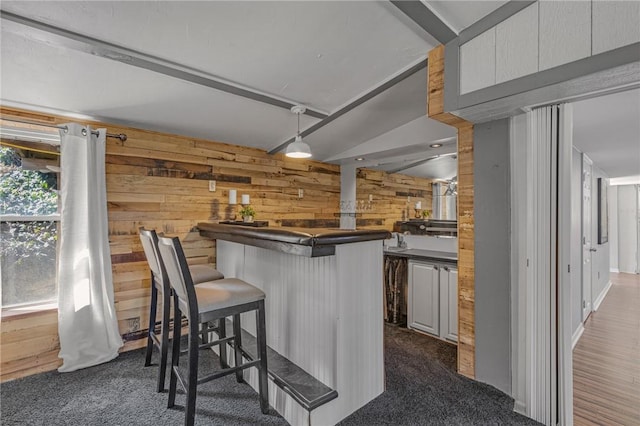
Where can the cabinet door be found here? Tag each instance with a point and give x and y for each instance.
(449, 303)
(423, 312)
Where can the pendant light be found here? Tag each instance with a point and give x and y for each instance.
(297, 148)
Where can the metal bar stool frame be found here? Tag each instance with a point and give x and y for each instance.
(186, 303)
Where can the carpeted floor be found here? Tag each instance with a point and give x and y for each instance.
(422, 389)
(122, 392)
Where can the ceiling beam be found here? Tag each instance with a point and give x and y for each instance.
(359, 101)
(70, 40)
(419, 13)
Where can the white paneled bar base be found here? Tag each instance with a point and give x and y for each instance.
(324, 314)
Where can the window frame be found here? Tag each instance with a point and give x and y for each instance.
(52, 303)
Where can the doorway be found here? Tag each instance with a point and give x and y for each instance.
(606, 133)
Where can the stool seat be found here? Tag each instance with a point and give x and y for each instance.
(204, 273)
(224, 293)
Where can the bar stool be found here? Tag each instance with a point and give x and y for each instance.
(160, 286)
(206, 302)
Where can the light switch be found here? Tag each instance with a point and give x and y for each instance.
(212, 186)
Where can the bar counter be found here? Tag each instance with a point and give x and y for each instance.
(324, 310)
(309, 242)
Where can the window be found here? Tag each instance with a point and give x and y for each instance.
(29, 220)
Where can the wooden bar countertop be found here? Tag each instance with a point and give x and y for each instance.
(310, 242)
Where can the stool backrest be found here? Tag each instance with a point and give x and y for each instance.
(149, 240)
(175, 262)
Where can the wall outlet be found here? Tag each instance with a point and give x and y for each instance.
(300, 193)
(133, 324)
(212, 186)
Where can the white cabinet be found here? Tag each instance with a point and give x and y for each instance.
(423, 312)
(449, 303)
(433, 299)
(478, 62)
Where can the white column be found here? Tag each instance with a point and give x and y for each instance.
(348, 196)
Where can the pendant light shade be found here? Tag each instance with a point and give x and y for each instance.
(298, 148)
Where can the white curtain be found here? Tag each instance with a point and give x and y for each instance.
(87, 322)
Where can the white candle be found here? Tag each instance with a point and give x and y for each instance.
(232, 196)
(245, 199)
(418, 205)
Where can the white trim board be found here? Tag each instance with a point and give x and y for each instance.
(600, 298)
(576, 336)
(614, 270)
(520, 408)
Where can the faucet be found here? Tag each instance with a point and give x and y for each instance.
(401, 242)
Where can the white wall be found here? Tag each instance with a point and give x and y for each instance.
(613, 228)
(627, 229)
(492, 218)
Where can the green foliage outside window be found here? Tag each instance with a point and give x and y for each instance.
(27, 248)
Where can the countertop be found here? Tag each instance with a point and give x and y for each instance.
(433, 255)
(310, 242)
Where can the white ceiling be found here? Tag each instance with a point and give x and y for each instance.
(323, 55)
(319, 54)
(607, 129)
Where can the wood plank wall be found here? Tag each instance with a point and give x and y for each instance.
(466, 233)
(160, 181)
(391, 195)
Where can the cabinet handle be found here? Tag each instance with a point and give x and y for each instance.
(435, 268)
(446, 268)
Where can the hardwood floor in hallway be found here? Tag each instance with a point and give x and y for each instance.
(606, 360)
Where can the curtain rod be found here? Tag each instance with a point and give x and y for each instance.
(120, 136)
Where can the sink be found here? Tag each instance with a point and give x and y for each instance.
(396, 249)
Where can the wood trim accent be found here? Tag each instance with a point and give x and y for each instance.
(466, 227)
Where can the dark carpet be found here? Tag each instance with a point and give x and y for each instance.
(122, 392)
(422, 389)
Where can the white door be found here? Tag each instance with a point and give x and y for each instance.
(423, 311)
(587, 166)
(449, 303)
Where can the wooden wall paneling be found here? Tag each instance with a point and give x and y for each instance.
(466, 233)
(29, 344)
(392, 194)
(160, 181)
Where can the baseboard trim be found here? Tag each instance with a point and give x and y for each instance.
(615, 270)
(576, 336)
(520, 408)
(600, 298)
